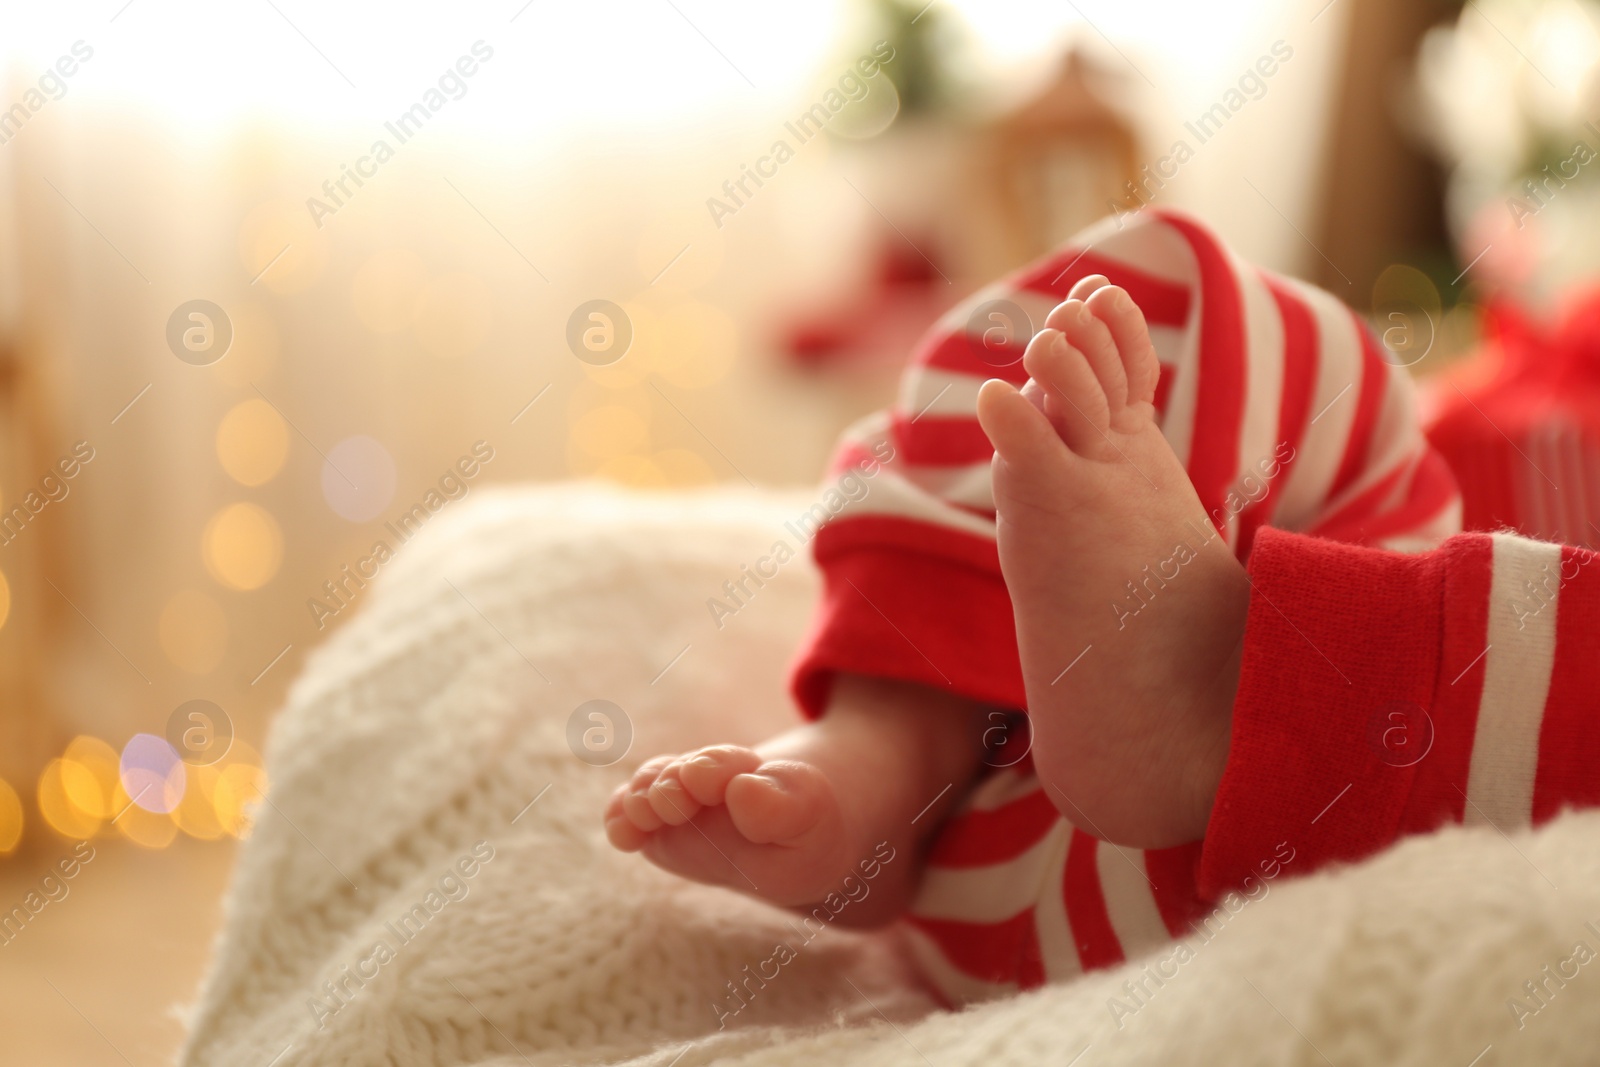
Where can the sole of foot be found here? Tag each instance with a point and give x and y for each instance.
(1130, 709)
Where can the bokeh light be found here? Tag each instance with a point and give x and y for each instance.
(147, 828)
(5, 599)
(870, 115)
(83, 789)
(384, 290)
(682, 467)
(696, 345)
(358, 478)
(255, 345)
(1408, 314)
(195, 814)
(280, 246)
(242, 546)
(193, 631)
(242, 752)
(91, 776)
(59, 813)
(152, 774)
(252, 442)
(677, 253)
(637, 472)
(240, 787)
(453, 315)
(633, 368)
(609, 430)
(11, 818)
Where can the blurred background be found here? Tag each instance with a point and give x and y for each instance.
(280, 281)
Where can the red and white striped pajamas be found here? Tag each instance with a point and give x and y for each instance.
(1287, 417)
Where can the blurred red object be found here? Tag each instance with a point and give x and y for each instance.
(906, 294)
(1519, 424)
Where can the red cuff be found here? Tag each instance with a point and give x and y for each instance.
(1340, 674)
(905, 600)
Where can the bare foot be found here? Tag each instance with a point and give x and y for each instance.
(1130, 710)
(788, 821)
(727, 816)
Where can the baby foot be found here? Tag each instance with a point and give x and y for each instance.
(1130, 715)
(726, 816)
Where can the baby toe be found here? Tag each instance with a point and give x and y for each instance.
(648, 770)
(1125, 322)
(1074, 399)
(1018, 428)
(706, 774)
(613, 807)
(782, 802)
(637, 807)
(670, 801)
(1085, 332)
(624, 835)
(1083, 287)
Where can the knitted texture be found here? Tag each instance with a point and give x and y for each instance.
(412, 747)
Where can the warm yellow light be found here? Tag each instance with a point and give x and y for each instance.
(679, 466)
(147, 828)
(633, 368)
(636, 471)
(196, 814)
(280, 246)
(678, 252)
(99, 761)
(696, 346)
(10, 818)
(242, 752)
(609, 430)
(254, 353)
(193, 631)
(252, 442)
(453, 315)
(384, 290)
(82, 789)
(118, 800)
(5, 599)
(59, 812)
(238, 790)
(242, 546)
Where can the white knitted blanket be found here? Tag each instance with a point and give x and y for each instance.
(399, 858)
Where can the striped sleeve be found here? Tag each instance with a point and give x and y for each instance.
(1273, 394)
(1384, 694)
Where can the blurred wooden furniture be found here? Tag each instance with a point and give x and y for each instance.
(1057, 162)
(1382, 194)
(973, 201)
